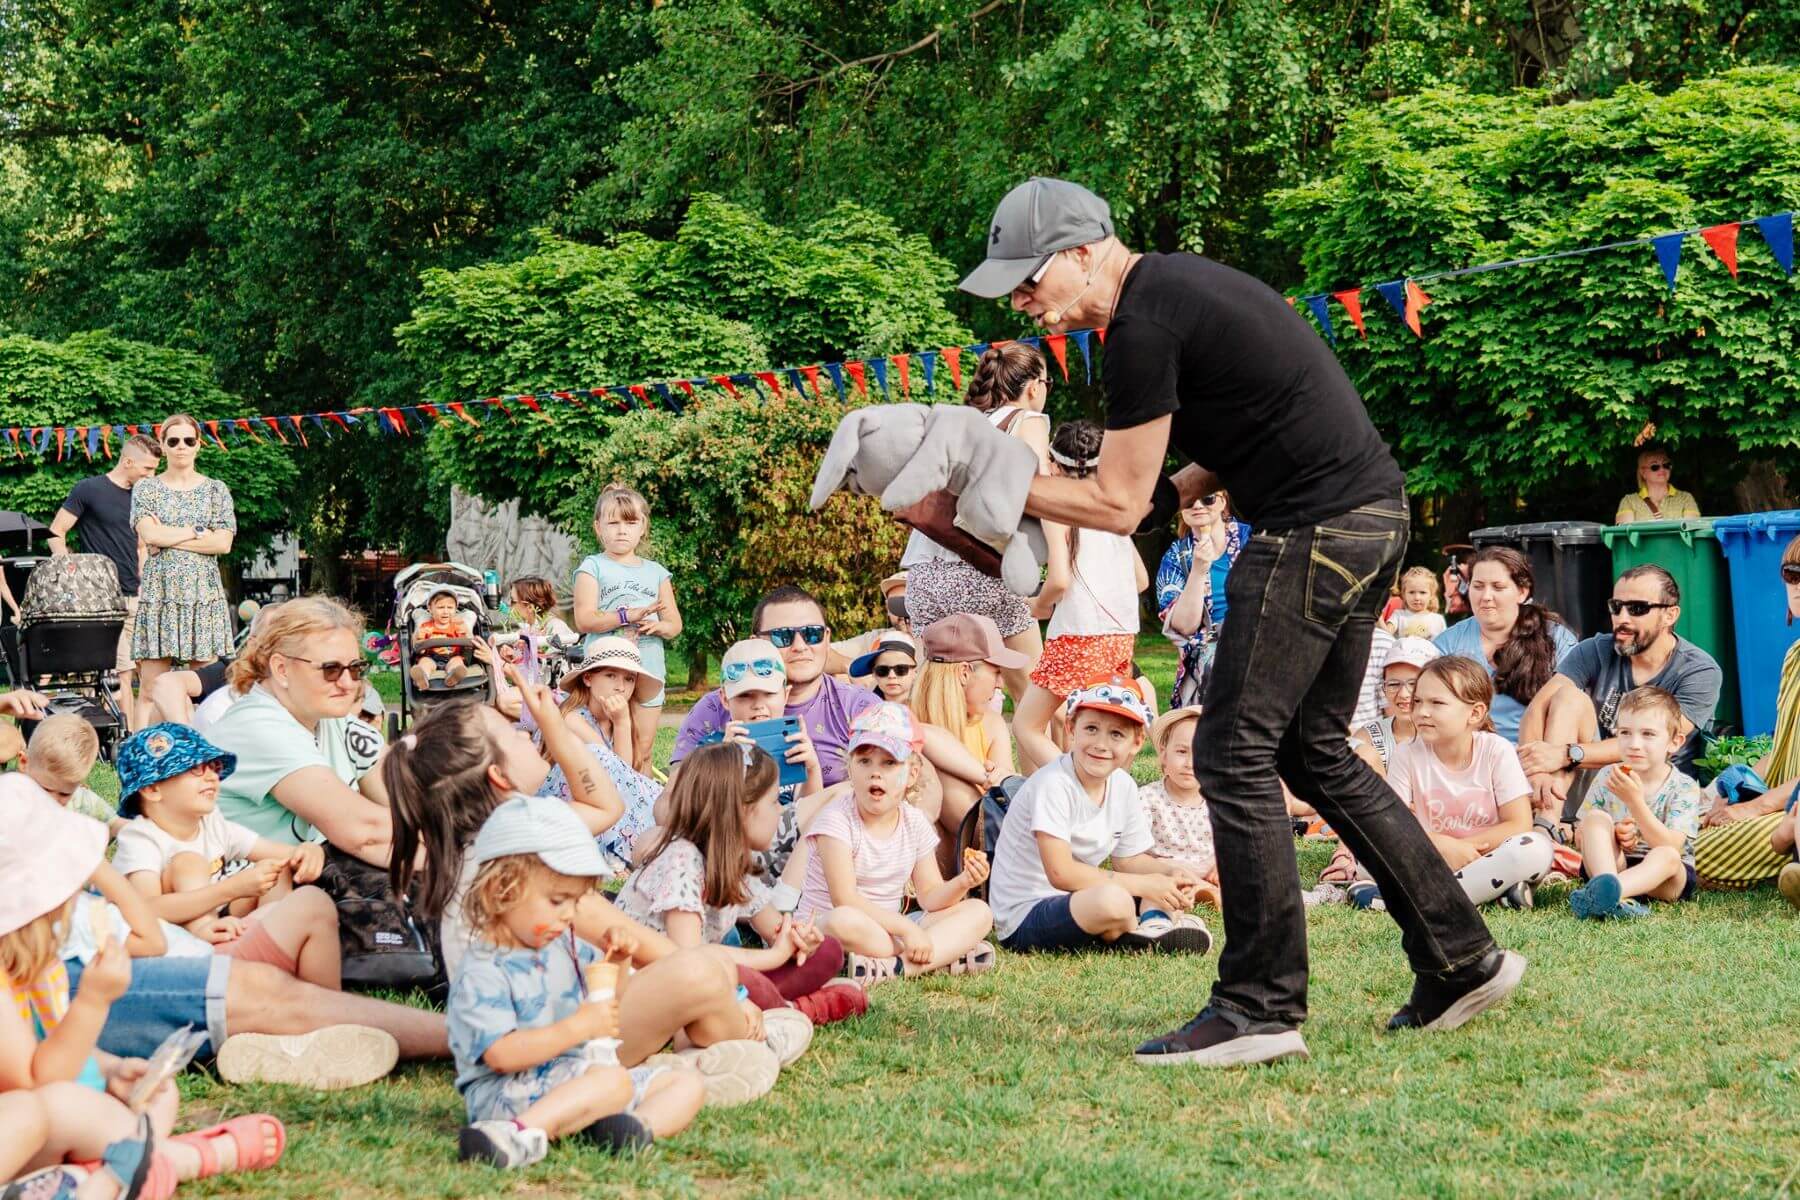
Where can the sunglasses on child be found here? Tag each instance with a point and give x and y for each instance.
(735, 671)
(1637, 608)
(896, 671)
(331, 670)
(782, 638)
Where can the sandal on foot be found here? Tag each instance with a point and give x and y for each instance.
(1341, 870)
(870, 971)
(246, 1133)
(142, 1171)
(981, 957)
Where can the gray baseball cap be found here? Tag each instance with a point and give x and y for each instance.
(1032, 222)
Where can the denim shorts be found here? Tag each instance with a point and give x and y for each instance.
(165, 994)
(1050, 925)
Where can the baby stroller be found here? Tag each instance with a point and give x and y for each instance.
(67, 641)
(413, 589)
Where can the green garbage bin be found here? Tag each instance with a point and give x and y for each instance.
(1689, 550)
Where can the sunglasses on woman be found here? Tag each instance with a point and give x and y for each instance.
(1637, 608)
(1790, 572)
(1656, 466)
(331, 670)
(782, 638)
(173, 442)
(765, 667)
(896, 671)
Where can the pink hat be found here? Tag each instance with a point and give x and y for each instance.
(888, 726)
(46, 856)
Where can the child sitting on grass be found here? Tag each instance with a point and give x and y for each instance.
(1641, 816)
(597, 704)
(48, 1039)
(1081, 809)
(440, 661)
(178, 850)
(1464, 784)
(863, 848)
(1179, 823)
(696, 881)
(533, 1009)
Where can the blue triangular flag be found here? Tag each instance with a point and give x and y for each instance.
(625, 397)
(929, 358)
(316, 419)
(43, 441)
(1778, 232)
(798, 382)
(981, 348)
(836, 371)
(754, 384)
(1081, 343)
(351, 417)
(93, 439)
(1394, 293)
(668, 397)
(1036, 343)
(1319, 310)
(879, 366)
(1668, 255)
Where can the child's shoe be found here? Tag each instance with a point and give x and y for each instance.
(421, 677)
(619, 1133)
(502, 1144)
(1519, 895)
(733, 1073)
(1788, 883)
(1323, 894)
(1632, 908)
(788, 1032)
(836, 1001)
(1596, 900)
(326, 1060)
(1365, 893)
(1180, 934)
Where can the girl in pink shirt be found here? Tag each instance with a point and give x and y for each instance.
(1464, 783)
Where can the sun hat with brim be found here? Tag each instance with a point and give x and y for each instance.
(46, 856)
(1117, 695)
(752, 665)
(969, 637)
(1412, 652)
(161, 752)
(1160, 728)
(887, 726)
(896, 580)
(620, 653)
(1032, 222)
(894, 642)
(545, 827)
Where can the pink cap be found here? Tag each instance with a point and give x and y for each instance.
(889, 726)
(46, 856)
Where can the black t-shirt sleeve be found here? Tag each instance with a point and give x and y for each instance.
(75, 503)
(1141, 370)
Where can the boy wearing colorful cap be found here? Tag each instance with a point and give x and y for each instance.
(866, 846)
(208, 874)
(887, 669)
(1050, 891)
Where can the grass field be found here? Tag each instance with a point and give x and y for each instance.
(1655, 1058)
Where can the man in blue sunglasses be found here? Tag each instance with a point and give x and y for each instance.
(793, 622)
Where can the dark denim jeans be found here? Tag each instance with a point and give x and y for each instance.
(1285, 681)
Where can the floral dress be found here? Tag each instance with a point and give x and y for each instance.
(181, 602)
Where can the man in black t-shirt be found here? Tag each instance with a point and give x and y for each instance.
(1218, 364)
(101, 506)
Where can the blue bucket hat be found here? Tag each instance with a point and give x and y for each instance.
(161, 752)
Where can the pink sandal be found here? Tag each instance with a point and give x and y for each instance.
(246, 1133)
(980, 958)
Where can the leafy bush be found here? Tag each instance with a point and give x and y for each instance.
(1731, 751)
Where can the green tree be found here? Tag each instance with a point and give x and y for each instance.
(1536, 381)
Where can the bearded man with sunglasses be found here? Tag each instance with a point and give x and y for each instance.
(791, 619)
(1215, 364)
(1567, 731)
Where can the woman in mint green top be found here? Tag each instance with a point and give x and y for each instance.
(299, 756)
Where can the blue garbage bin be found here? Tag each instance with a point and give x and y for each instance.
(1753, 544)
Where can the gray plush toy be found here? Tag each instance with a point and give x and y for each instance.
(904, 453)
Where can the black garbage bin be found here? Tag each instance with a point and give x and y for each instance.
(1571, 563)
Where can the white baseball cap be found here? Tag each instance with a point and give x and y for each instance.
(546, 827)
(752, 665)
(1412, 651)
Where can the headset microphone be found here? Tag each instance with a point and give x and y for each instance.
(1054, 316)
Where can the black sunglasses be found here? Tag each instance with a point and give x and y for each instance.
(1790, 572)
(782, 638)
(1637, 608)
(331, 670)
(181, 441)
(1656, 466)
(897, 670)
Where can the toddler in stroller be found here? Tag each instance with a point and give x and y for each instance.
(447, 661)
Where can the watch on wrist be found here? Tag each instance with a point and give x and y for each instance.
(1575, 753)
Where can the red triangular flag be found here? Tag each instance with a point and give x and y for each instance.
(724, 381)
(642, 394)
(1351, 299)
(244, 424)
(1723, 240)
(769, 378)
(858, 377)
(61, 433)
(1291, 304)
(212, 427)
(131, 430)
(272, 423)
(81, 439)
(687, 387)
(812, 377)
(496, 402)
(901, 361)
(1059, 349)
(1100, 332)
(953, 357)
(14, 435)
(431, 410)
(338, 420)
(106, 439)
(458, 409)
(298, 431)
(1416, 299)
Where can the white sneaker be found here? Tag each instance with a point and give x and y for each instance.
(502, 1144)
(788, 1032)
(733, 1073)
(1323, 894)
(326, 1060)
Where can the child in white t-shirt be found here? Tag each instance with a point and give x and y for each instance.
(178, 851)
(864, 847)
(1464, 784)
(1049, 890)
(1418, 615)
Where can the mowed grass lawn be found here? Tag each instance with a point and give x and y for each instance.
(1654, 1058)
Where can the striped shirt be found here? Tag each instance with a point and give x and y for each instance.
(883, 865)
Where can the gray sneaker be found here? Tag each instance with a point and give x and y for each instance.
(502, 1144)
(734, 1073)
(788, 1032)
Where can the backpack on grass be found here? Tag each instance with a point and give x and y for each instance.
(383, 944)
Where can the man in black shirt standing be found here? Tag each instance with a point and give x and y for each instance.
(101, 505)
(1217, 363)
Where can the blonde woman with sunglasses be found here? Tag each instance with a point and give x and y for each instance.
(1656, 499)
(184, 522)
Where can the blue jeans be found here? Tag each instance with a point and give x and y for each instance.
(165, 994)
(1284, 682)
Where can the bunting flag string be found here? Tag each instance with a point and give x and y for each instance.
(1406, 296)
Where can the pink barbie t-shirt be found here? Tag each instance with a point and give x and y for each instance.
(1458, 803)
